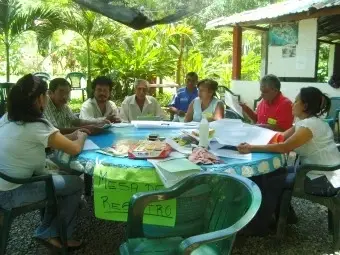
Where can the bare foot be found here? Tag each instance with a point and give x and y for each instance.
(73, 243)
(55, 242)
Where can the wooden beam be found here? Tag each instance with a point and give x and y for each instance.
(237, 53)
(294, 17)
(325, 41)
(256, 28)
(317, 60)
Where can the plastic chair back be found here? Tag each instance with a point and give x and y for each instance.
(335, 104)
(75, 79)
(226, 205)
(230, 114)
(42, 75)
(4, 91)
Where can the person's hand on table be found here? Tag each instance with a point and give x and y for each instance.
(74, 135)
(94, 129)
(81, 134)
(244, 148)
(102, 122)
(113, 119)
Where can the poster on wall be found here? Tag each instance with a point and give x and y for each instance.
(284, 34)
(289, 51)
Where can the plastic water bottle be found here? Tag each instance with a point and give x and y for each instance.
(204, 133)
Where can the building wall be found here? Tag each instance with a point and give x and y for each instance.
(250, 90)
(303, 64)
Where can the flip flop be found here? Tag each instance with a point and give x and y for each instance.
(56, 249)
(48, 245)
(74, 248)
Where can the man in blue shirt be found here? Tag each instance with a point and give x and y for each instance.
(184, 96)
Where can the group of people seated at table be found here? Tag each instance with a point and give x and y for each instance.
(39, 118)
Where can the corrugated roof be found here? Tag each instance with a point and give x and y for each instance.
(273, 11)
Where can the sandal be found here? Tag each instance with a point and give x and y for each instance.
(49, 245)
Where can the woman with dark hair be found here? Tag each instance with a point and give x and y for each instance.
(25, 135)
(206, 104)
(312, 139)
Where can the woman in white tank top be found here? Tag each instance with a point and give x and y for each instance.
(206, 104)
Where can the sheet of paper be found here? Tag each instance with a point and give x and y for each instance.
(89, 145)
(121, 125)
(114, 187)
(164, 124)
(232, 102)
(247, 133)
(177, 147)
(230, 154)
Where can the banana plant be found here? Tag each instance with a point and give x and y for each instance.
(14, 21)
(89, 25)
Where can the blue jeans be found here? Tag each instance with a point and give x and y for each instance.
(68, 189)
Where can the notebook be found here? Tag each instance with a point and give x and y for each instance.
(172, 171)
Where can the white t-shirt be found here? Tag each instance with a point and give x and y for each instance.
(321, 149)
(91, 111)
(22, 149)
(131, 111)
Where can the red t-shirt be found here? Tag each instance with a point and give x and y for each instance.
(279, 112)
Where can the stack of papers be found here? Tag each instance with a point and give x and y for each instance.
(173, 170)
(164, 124)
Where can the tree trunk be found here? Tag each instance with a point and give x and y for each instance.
(180, 60)
(88, 87)
(7, 61)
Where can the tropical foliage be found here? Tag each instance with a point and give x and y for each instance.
(66, 37)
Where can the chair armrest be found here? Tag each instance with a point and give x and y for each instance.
(303, 170)
(45, 178)
(192, 243)
(140, 200)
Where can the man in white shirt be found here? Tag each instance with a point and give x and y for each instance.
(99, 106)
(140, 104)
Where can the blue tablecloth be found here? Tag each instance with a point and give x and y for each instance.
(260, 163)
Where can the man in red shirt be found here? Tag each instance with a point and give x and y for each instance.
(275, 110)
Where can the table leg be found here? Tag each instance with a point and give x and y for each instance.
(88, 184)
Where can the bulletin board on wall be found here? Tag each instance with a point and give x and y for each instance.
(292, 49)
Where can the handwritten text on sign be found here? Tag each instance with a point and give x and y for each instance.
(114, 187)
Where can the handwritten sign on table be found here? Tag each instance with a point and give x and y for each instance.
(114, 187)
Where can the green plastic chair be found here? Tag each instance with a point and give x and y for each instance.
(231, 202)
(221, 90)
(75, 80)
(7, 215)
(42, 75)
(332, 203)
(4, 91)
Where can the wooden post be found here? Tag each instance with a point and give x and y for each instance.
(237, 53)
